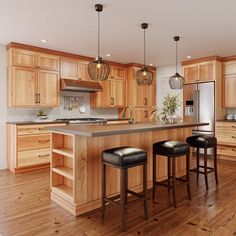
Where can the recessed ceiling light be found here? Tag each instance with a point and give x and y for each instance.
(44, 41)
(150, 64)
(189, 57)
(108, 54)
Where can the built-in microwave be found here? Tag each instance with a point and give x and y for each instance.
(189, 108)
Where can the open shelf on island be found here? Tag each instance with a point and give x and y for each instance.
(64, 170)
(64, 151)
(64, 191)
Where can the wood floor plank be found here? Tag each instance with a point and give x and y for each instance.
(26, 209)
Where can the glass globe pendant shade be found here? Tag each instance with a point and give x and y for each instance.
(98, 70)
(144, 76)
(176, 81)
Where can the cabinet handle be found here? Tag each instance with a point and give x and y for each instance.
(233, 149)
(112, 101)
(145, 102)
(44, 141)
(145, 114)
(233, 136)
(233, 126)
(38, 97)
(47, 155)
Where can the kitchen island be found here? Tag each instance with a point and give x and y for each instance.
(76, 159)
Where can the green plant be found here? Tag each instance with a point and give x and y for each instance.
(41, 112)
(170, 105)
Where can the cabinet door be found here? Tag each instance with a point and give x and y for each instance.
(139, 94)
(48, 62)
(68, 69)
(24, 58)
(83, 70)
(23, 86)
(118, 93)
(206, 71)
(48, 88)
(117, 72)
(142, 114)
(229, 91)
(230, 68)
(191, 73)
(103, 99)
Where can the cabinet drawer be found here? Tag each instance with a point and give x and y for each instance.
(35, 129)
(230, 126)
(227, 137)
(30, 142)
(226, 150)
(33, 157)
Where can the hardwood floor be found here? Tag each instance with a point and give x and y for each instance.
(26, 209)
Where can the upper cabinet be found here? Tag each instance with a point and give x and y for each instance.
(33, 79)
(199, 72)
(114, 91)
(229, 84)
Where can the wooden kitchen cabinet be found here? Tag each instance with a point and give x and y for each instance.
(112, 96)
(48, 85)
(48, 62)
(199, 72)
(226, 139)
(28, 146)
(142, 114)
(229, 89)
(69, 69)
(20, 57)
(23, 86)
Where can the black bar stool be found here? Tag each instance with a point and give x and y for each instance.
(205, 142)
(172, 150)
(124, 158)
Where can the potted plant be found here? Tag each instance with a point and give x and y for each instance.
(170, 104)
(41, 114)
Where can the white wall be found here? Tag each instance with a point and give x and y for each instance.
(28, 114)
(163, 88)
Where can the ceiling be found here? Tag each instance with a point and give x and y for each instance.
(206, 27)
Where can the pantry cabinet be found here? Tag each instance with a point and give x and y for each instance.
(229, 84)
(33, 79)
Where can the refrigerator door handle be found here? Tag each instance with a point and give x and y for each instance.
(196, 104)
(198, 98)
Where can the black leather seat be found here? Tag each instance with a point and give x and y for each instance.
(124, 157)
(205, 142)
(202, 141)
(171, 148)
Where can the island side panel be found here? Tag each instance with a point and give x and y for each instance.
(143, 140)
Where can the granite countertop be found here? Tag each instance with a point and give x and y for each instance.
(97, 130)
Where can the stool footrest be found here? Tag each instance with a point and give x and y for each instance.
(165, 182)
(139, 195)
(211, 169)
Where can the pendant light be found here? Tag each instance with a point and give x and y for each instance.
(98, 69)
(176, 81)
(144, 76)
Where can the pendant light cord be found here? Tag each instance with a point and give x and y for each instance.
(144, 47)
(98, 35)
(176, 56)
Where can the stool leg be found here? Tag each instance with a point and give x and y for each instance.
(188, 175)
(145, 190)
(122, 198)
(197, 163)
(103, 189)
(205, 167)
(126, 185)
(169, 173)
(153, 176)
(215, 164)
(173, 181)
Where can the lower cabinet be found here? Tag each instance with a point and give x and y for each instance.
(28, 146)
(226, 139)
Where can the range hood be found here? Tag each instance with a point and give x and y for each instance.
(80, 86)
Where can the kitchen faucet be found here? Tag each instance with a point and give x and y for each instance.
(131, 120)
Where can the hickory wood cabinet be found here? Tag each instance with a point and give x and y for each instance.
(229, 84)
(28, 146)
(33, 79)
(141, 98)
(114, 91)
(226, 139)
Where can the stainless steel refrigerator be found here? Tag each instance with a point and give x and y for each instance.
(199, 106)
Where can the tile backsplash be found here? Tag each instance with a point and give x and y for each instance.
(28, 114)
